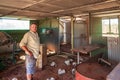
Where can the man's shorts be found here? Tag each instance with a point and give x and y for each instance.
(30, 64)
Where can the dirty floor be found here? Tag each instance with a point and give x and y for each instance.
(87, 69)
(18, 71)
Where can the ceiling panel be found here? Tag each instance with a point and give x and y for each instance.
(16, 3)
(92, 8)
(63, 3)
(49, 8)
(33, 14)
(27, 13)
(71, 3)
(43, 7)
(110, 5)
(5, 11)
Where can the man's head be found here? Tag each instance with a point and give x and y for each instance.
(33, 27)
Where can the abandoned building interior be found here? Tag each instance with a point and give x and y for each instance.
(79, 39)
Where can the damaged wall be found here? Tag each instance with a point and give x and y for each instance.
(96, 31)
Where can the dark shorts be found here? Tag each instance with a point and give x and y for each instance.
(30, 64)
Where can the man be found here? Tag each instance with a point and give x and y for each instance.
(30, 44)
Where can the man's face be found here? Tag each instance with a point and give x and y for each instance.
(33, 28)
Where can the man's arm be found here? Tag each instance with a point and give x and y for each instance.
(23, 44)
(26, 50)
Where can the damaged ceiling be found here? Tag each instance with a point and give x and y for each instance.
(36, 9)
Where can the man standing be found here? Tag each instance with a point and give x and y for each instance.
(30, 43)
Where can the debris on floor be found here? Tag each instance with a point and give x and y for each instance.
(61, 71)
(55, 69)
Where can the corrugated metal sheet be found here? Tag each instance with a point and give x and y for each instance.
(114, 49)
(79, 35)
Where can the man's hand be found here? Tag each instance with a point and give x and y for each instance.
(29, 53)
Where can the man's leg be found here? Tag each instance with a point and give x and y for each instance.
(30, 67)
(29, 76)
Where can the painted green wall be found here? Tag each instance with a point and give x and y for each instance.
(49, 24)
(15, 34)
(96, 34)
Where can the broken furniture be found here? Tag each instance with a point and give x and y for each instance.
(101, 60)
(84, 50)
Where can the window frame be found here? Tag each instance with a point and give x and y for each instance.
(109, 32)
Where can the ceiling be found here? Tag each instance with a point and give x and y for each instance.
(36, 9)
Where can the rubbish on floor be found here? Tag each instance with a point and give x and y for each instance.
(52, 78)
(71, 60)
(61, 71)
(73, 71)
(81, 59)
(14, 78)
(74, 63)
(53, 64)
(67, 62)
(48, 71)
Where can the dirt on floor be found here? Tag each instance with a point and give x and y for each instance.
(17, 72)
(95, 70)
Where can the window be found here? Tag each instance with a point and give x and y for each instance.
(10, 24)
(110, 27)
